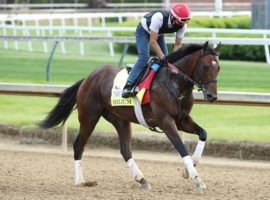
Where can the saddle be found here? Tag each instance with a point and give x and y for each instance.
(142, 87)
(144, 72)
(143, 83)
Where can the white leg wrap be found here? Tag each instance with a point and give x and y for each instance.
(78, 172)
(190, 167)
(135, 171)
(198, 152)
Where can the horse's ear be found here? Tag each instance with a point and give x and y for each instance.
(205, 46)
(218, 47)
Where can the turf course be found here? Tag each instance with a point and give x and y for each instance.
(221, 122)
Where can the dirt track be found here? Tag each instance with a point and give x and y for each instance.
(29, 172)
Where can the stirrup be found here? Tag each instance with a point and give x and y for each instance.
(127, 94)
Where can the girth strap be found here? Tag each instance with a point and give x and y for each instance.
(138, 112)
(139, 115)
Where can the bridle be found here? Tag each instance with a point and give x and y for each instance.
(200, 84)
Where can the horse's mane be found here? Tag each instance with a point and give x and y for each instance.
(182, 52)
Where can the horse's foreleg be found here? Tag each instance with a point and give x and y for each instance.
(170, 129)
(124, 132)
(195, 157)
(189, 126)
(198, 152)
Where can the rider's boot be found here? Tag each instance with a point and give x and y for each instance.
(127, 90)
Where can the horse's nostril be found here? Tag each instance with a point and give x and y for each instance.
(214, 98)
(211, 97)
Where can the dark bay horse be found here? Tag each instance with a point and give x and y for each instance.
(171, 103)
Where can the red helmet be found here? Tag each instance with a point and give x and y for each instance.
(181, 12)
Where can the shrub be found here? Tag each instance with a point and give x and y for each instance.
(243, 52)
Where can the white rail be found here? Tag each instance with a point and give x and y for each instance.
(252, 37)
(126, 7)
(75, 17)
(224, 97)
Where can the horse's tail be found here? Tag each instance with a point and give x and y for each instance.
(63, 108)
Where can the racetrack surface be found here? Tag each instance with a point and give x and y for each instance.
(45, 172)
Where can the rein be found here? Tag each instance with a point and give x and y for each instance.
(199, 84)
(184, 76)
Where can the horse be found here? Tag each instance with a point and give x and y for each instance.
(169, 108)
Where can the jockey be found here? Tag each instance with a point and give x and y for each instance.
(151, 31)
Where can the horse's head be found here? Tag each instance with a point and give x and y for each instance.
(206, 71)
(199, 63)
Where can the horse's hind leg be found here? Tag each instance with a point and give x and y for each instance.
(124, 132)
(88, 120)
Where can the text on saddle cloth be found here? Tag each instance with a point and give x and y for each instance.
(143, 89)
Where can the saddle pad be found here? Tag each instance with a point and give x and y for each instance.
(118, 85)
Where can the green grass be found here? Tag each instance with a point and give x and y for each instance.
(244, 76)
(24, 66)
(221, 122)
(232, 123)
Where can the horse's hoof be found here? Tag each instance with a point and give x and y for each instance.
(185, 173)
(145, 185)
(199, 183)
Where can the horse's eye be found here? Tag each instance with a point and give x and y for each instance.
(206, 67)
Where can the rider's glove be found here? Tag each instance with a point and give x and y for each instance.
(163, 61)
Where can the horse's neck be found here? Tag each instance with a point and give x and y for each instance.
(187, 64)
(175, 86)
